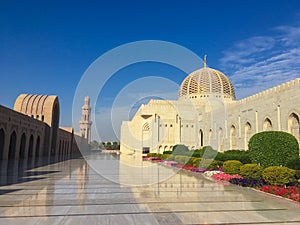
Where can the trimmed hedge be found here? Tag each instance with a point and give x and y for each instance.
(273, 148)
(251, 171)
(232, 166)
(294, 164)
(239, 155)
(279, 175)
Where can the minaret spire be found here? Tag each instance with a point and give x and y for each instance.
(86, 123)
(204, 61)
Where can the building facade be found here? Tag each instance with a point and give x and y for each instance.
(31, 130)
(208, 114)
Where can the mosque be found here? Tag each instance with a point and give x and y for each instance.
(31, 130)
(208, 114)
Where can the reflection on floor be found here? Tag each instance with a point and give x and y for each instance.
(103, 189)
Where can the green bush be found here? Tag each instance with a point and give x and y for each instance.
(232, 166)
(168, 152)
(279, 175)
(239, 155)
(297, 174)
(215, 164)
(194, 161)
(251, 171)
(152, 154)
(182, 159)
(294, 164)
(181, 150)
(273, 148)
(169, 157)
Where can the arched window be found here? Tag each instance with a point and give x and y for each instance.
(233, 137)
(201, 138)
(2, 142)
(267, 126)
(37, 147)
(220, 140)
(22, 146)
(247, 134)
(293, 125)
(210, 133)
(12, 145)
(30, 147)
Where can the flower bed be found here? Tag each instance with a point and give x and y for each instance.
(291, 192)
(224, 176)
(248, 182)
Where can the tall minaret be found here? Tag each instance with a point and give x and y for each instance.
(86, 123)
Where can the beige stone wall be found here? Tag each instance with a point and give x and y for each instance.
(212, 121)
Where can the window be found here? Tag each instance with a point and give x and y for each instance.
(171, 125)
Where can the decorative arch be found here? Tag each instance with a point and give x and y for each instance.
(37, 147)
(233, 137)
(171, 147)
(160, 149)
(146, 127)
(166, 148)
(2, 142)
(247, 134)
(293, 125)
(267, 125)
(22, 146)
(220, 140)
(12, 145)
(30, 147)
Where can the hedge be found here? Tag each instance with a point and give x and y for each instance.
(279, 175)
(273, 148)
(232, 166)
(251, 171)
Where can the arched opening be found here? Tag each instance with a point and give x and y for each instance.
(293, 125)
(171, 148)
(54, 126)
(267, 125)
(2, 142)
(30, 147)
(233, 137)
(37, 147)
(12, 145)
(22, 146)
(160, 149)
(220, 140)
(247, 134)
(201, 138)
(166, 148)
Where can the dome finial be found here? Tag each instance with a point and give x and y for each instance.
(204, 61)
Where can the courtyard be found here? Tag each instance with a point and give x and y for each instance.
(77, 191)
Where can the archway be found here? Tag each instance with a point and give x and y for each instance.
(267, 125)
(233, 137)
(22, 146)
(30, 147)
(12, 145)
(2, 142)
(37, 147)
(247, 134)
(293, 125)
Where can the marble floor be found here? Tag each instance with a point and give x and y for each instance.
(107, 189)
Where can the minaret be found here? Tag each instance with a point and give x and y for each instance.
(86, 123)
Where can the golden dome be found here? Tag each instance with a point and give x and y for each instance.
(206, 82)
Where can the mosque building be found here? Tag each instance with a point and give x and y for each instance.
(31, 130)
(208, 114)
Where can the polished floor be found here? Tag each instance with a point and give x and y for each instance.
(103, 189)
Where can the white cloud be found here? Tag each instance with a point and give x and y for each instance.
(263, 62)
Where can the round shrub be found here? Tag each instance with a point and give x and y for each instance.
(251, 171)
(215, 165)
(232, 166)
(279, 175)
(294, 164)
(182, 159)
(273, 148)
(297, 174)
(181, 150)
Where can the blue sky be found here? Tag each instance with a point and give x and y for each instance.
(46, 46)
